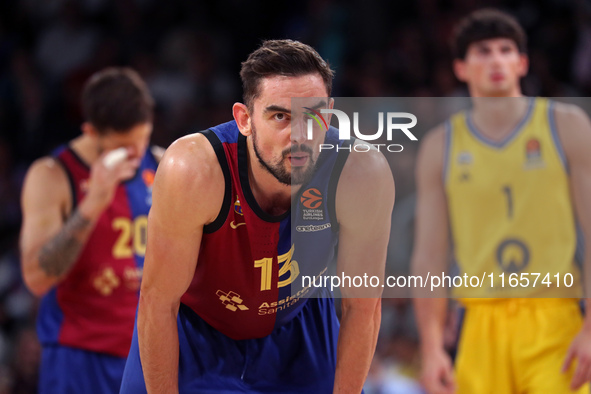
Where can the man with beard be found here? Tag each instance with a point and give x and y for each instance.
(222, 305)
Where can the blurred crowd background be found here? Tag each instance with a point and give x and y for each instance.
(190, 51)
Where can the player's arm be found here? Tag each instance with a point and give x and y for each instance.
(49, 243)
(574, 129)
(430, 255)
(364, 202)
(187, 194)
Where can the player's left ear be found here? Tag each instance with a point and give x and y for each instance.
(459, 67)
(523, 64)
(242, 118)
(89, 130)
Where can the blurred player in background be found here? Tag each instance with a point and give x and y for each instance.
(218, 311)
(510, 177)
(83, 237)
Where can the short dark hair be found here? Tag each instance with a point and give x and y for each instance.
(116, 99)
(486, 24)
(281, 57)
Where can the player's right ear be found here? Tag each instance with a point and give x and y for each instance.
(242, 118)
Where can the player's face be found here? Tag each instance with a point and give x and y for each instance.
(279, 131)
(492, 68)
(136, 140)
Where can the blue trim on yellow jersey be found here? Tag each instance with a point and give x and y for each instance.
(500, 144)
(580, 249)
(555, 137)
(446, 151)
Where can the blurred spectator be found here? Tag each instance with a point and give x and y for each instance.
(66, 44)
(25, 365)
(9, 193)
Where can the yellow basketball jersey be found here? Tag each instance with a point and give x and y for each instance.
(510, 208)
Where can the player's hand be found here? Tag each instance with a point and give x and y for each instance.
(103, 182)
(580, 349)
(437, 374)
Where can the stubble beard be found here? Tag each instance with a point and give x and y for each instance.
(298, 175)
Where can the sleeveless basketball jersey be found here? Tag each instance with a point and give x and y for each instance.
(510, 206)
(94, 307)
(249, 269)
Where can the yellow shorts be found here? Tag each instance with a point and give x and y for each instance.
(517, 346)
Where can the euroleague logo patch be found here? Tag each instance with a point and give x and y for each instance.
(533, 155)
(311, 198)
(311, 201)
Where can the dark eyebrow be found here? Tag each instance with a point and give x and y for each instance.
(276, 108)
(321, 104)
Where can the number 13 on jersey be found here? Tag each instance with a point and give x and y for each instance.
(289, 265)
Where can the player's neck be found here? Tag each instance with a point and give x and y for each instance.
(271, 195)
(86, 148)
(475, 92)
(497, 117)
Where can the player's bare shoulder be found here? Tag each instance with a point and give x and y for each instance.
(46, 183)
(431, 155)
(191, 158)
(190, 174)
(432, 145)
(49, 169)
(565, 109)
(366, 163)
(434, 137)
(366, 178)
(567, 116)
(574, 128)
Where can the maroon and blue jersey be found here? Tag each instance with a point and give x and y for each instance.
(93, 308)
(248, 279)
(246, 324)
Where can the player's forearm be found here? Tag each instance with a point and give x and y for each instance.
(159, 344)
(430, 307)
(431, 314)
(358, 336)
(57, 256)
